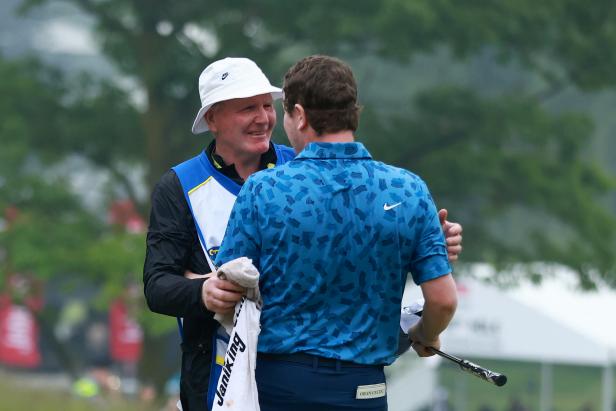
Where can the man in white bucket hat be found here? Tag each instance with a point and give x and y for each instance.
(227, 79)
(190, 208)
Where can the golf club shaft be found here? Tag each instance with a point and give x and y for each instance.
(478, 371)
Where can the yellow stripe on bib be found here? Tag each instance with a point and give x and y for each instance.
(200, 185)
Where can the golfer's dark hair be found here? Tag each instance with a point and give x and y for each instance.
(325, 87)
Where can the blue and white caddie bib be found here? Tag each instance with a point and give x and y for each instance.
(210, 196)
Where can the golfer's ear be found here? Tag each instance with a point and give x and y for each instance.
(302, 120)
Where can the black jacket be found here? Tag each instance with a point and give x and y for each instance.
(172, 247)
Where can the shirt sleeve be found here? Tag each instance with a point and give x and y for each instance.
(169, 249)
(242, 237)
(429, 258)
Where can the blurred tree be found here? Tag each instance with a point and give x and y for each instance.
(46, 231)
(44, 221)
(508, 164)
(516, 158)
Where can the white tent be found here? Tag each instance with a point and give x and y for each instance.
(491, 324)
(413, 384)
(530, 324)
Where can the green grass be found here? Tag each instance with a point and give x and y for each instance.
(574, 387)
(14, 395)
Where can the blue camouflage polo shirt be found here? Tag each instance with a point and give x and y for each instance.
(334, 234)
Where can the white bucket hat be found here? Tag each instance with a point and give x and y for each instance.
(227, 79)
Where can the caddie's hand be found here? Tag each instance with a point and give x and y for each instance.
(220, 296)
(194, 276)
(453, 236)
(420, 344)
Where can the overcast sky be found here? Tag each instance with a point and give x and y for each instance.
(56, 33)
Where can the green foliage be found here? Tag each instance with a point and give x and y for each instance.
(508, 165)
(487, 157)
(43, 123)
(115, 261)
(47, 247)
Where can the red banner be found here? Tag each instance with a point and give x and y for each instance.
(126, 336)
(19, 337)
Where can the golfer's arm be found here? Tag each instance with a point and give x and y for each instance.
(440, 304)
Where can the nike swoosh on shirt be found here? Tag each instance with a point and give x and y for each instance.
(389, 207)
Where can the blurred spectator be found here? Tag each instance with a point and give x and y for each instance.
(97, 347)
(587, 406)
(124, 213)
(20, 299)
(516, 405)
(126, 338)
(486, 407)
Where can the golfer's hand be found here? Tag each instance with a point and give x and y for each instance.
(420, 344)
(220, 296)
(453, 236)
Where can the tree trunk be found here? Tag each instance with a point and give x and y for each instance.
(155, 122)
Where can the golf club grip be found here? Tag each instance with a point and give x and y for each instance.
(478, 371)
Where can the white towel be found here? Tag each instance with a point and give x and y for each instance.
(237, 388)
(410, 314)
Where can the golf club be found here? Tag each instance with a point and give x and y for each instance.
(411, 315)
(478, 371)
